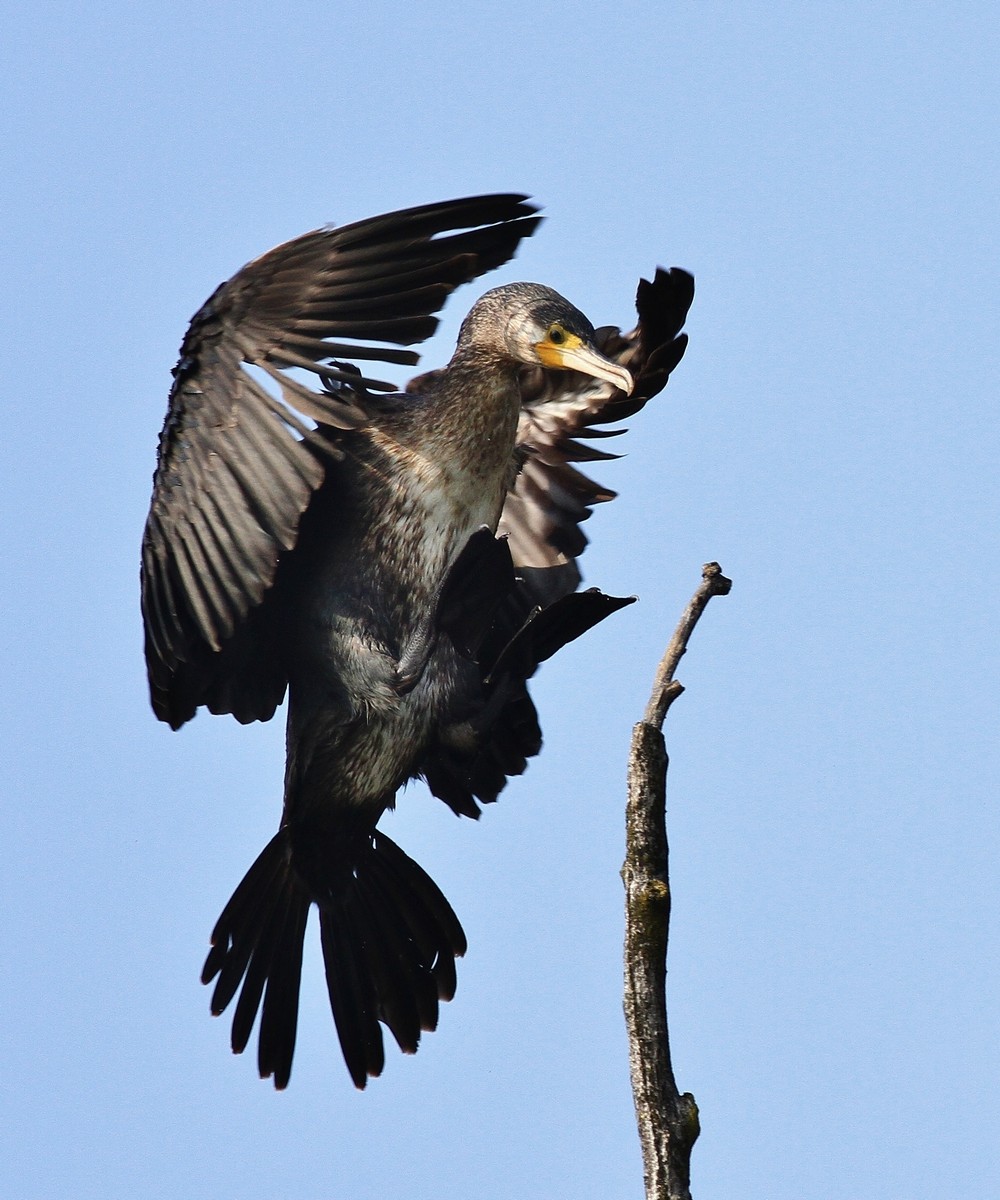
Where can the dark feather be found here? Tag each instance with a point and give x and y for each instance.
(549, 499)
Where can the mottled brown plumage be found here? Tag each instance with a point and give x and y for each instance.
(338, 541)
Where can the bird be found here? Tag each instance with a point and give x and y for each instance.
(397, 561)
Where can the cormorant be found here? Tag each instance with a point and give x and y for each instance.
(336, 539)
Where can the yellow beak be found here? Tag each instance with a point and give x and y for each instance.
(575, 355)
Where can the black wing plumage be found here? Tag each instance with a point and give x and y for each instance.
(238, 463)
(550, 498)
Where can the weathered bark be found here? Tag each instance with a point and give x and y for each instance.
(667, 1120)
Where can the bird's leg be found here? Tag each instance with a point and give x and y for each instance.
(415, 657)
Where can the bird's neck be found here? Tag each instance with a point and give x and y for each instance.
(474, 408)
(477, 366)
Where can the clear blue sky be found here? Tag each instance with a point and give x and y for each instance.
(829, 174)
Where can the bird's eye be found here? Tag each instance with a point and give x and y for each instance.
(557, 335)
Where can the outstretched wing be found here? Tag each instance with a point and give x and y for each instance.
(239, 460)
(550, 497)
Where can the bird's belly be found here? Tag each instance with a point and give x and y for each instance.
(355, 751)
(369, 618)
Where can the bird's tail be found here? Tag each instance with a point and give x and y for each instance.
(389, 937)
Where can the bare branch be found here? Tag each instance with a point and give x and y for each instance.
(665, 689)
(667, 1120)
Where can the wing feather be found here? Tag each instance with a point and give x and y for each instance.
(550, 498)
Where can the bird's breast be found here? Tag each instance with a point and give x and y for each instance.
(420, 484)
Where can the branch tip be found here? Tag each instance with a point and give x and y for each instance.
(712, 574)
(713, 583)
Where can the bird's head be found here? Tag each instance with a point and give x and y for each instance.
(534, 325)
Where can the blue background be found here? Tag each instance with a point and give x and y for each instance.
(829, 174)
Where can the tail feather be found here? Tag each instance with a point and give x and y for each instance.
(257, 972)
(268, 963)
(230, 954)
(279, 1016)
(389, 940)
(407, 993)
(447, 929)
(409, 938)
(353, 1000)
